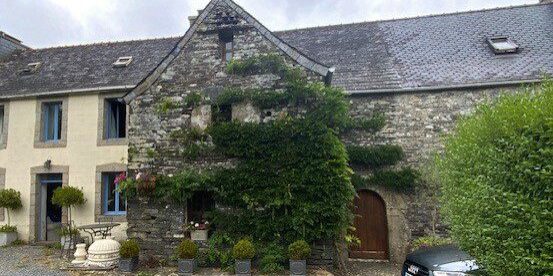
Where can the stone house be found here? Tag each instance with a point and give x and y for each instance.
(422, 73)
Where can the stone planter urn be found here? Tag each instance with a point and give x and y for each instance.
(103, 253)
(128, 265)
(243, 267)
(298, 267)
(7, 238)
(80, 254)
(198, 235)
(187, 266)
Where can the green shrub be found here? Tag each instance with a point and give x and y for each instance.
(403, 180)
(429, 241)
(8, 229)
(375, 156)
(11, 200)
(19, 242)
(497, 183)
(243, 250)
(273, 259)
(129, 249)
(187, 250)
(299, 250)
(165, 105)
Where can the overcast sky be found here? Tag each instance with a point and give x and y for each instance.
(45, 23)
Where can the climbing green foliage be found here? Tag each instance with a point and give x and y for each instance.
(497, 183)
(372, 124)
(403, 180)
(375, 156)
(166, 105)
(193, 99)
(264, 64)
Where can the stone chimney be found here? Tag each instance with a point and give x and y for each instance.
(193, 18)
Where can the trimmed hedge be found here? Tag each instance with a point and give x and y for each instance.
(375, 156)
(497, 183)
(402, 180)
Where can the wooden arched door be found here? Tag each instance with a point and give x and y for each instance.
(371, 227)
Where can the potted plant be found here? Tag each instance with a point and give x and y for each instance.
(129, 252)
(11, 200)
(65, 237)
(198, 230)
(186, 254)
(67, 197)
(298, 251)
(243, 253)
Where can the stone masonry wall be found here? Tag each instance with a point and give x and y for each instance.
(418, 122)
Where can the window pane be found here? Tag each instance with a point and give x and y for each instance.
(115, 119)
(228, 46)
(52, 120)
(110, 197)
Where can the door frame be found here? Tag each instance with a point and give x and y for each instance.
(378, 197)
(34, 205)
(42, 232)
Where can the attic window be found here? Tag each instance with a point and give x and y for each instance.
(123, 62)
(502, 45)
(30, 68)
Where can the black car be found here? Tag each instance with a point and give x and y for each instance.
(446, 260)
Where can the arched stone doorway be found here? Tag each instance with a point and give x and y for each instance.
(371, 226)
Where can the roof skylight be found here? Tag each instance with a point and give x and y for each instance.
(30, 68)
(502, 45)
(123, 62)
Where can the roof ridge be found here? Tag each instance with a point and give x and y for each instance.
(106, 43)
(415, 17)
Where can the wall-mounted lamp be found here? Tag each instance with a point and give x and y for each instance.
(48, 164)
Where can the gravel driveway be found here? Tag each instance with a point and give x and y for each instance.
(28, 260)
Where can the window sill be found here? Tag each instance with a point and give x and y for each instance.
(113, 142)
(48, 145)
(116, 218)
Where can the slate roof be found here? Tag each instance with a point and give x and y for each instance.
(393, 55)
(81, 67)
(443, 50)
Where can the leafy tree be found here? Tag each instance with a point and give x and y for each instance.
(11, 200)
(68, 197)
(497, 183)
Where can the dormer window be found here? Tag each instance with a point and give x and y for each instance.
(502, 45)
(30, 68)
(227, 45)
(122, 62)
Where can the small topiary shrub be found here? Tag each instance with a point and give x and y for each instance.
(129, 249)
(429, 241)
(68, 197)
(243, 250)
(11, 200)
(299, 250)
(187, 250)
(373, 124)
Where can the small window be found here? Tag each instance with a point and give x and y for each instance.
(114, 203)
(199, 205)
(52, 121)
(30, 68)
(115, 119)
(123, 62)
(227, 46)
(502, 45)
